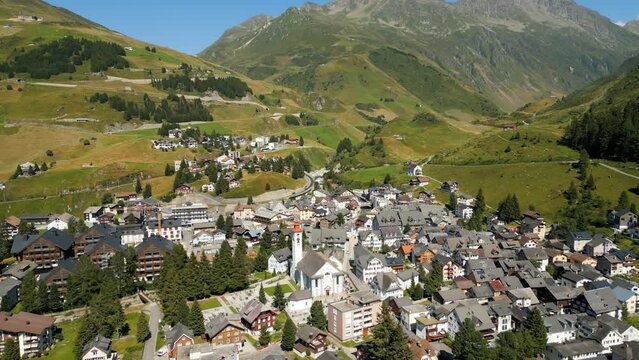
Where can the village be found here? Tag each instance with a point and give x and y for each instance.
(353, 254)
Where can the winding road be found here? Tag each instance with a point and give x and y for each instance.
(154, 323)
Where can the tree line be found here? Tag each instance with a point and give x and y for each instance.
(63, 55)
(229, 87)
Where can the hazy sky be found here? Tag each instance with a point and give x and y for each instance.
(191, 25)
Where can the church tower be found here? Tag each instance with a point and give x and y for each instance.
(296, 251)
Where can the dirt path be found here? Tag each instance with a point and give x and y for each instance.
(619, 171)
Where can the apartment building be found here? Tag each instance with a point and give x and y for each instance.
(33, 333)
(191, 213)
(354, 317)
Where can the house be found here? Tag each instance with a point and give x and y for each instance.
(478, 314)
(578, 240)
(99, 348)
(367, 265)
(255, 315)
(299, 301)
(582, 259)
(419, 181)
(622, 219)
(150, 255)
(450, 269)
(361, 305)
(561, 328)
(576, 350)
(102, 251)
(208, 187)
(279, 261)
(244, 212)
(310, 339)
(91, 236)
(39, 221)
(92, 213)
(598, 302)
(33, 333)
(19, 269)
(60, 222)
(385, 284)
(450, 186)
(610, 265)
(408, 315)
(463, 211)
(412, 169)
(60, 274)
(533, 223)
(12, 224)
(322, 238)
(222, 330)
(407, 278)
(523, 297)
(627, 298)
(178, 336)
(9, 292)
(44, 250)
(370, 239)
(170, 229)
(536, 256)
(184, 189)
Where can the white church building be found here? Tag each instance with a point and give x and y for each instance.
(312, 270)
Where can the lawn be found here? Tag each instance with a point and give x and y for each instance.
(209, 303)
(271, 290)
(361, 178)
(255, 184)
(264, 275)
(128, 348)
(63, 350)
(159, 342)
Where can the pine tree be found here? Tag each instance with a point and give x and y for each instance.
(17, 173)
(418, 292)
(624, 201)
(279, 301)
(535, 324)
(584, 164)
(143, 332)
(148, 191)
(41, 298)
(219, 224)
(29, 293)
(168, 170)
(196, 319)
(452, 201)
(44, 167)
(88, 330)
(138, 186)
(301, 141)
(388, 340)
(54, 301)
(572, 193)
(250, 200)
(11, 350)
(265, 336)
(288, 335)
(240, 270)
(469, 343)
(387, 179)
(317, 318)
(262, 296)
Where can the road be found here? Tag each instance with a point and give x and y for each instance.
(619, 171)
(310, 185)
(154, 322)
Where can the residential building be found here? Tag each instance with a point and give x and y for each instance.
(9, 292)
(354, 317)
(385, 285)
(576, 350)
(99, 348)
(191, 213)
(310, 339)
(299, 301)
(279, 261)
(92, 213)
(170, 229)
(178, 336)
(256, 315)
(33, 333)
(44, 250)
(578, 240)
(60, 274)
(225, 330)
(598, 302)
(150, 256)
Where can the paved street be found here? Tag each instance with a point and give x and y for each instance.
(149, 346)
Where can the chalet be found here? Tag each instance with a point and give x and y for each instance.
(310, 339)
(598, 302)
(60, 221)
(225, 330)
(622, 219)
(99, 348)
(184, 189)
(533, 223)
(395, 264)
(422, 254)
(92, 213)
(450, 186)
(91, 236)
(578, 240)
(427, 197)
(33, 333)
(150, 256)
(582, 259)
(60, 274)
(170, 229)
(44, 250)
(599, 245)
(39, 221)
(178, 336)
(561, 296)
(12, 224)
(419, 181)
(610, 265)
(279, 261)
(386, 284)
(255, 315)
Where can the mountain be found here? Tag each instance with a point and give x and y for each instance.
(508, 52)
(632, 26)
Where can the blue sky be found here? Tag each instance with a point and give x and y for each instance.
(191, 25)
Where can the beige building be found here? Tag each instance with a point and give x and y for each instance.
(354, 317)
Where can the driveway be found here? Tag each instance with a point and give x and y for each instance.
(154, 321)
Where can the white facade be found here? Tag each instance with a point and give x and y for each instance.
(297, 249)
(275, 266)
(57, 224)
(371, 240)
(327, 281)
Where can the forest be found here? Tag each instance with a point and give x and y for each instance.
(607, 132)
(228, 87)
(173, 108)
(63, 55)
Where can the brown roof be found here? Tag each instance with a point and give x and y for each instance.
(13, 221)
(24, 322)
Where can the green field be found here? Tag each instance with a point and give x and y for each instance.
(358, 179)
(209, 303)
(255, 184)
(63, 350)
(271, 290)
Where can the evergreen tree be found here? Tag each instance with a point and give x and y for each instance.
(54, 302)
(17, 173)
(388, 340)
(279, 301)
(265, 336)
(11, 350)
(387, 179)
(572, 194)
(29, 293)
(452, 201)
(301, 141)
(196, 319)
(262, 296)
(250, 200)
(515, 345)
(108, 313)
(88, 330)
(138, 186)
(220, 223)
(535, 324)
(469, 343)
(418, 292)
(340, 219)
(83, 284)
(433, 281)
(143, 332)
(44, 167)
(42, 298)
(317, 318)
(624, 201)
(509, 209)
(584, 164)
(288, 335)
(148, 191)
(240, 270)
(168, 170)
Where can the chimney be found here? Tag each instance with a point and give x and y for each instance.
(159, 219)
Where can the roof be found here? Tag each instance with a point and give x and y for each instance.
(311, 263)
(98, 342)
(523, 293)
(19, 269)
(576, 348)
(13, 221)
(452, 295)
(109, 240)
(386, 281)
(57, 237)
(601, 300)
(300, 295)
(478, 314)
(252, 310)
(407, 275)
(8, 284)
(155, 240)
(217, 324)
(328, 236)
(329, 355)
(176, 332)
(24, 322)
(307, 332)
(282, 255)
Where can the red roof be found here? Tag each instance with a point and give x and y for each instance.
(24, 322)
(497, 286)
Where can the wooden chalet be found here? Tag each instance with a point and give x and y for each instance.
(45, 250)
(150, 255)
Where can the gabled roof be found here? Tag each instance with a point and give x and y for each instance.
(176, 332)
(307, 332)
(312, 262)
(282, 255)
(386, 281)
(57, 237)
(219, 323)
(300, 295)
(407, 275)
(252, 310)
(601, 300)
(24, 322)
(99, 342)
(155, 240)
(111, 241)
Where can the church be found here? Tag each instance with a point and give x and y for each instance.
(312, 270)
